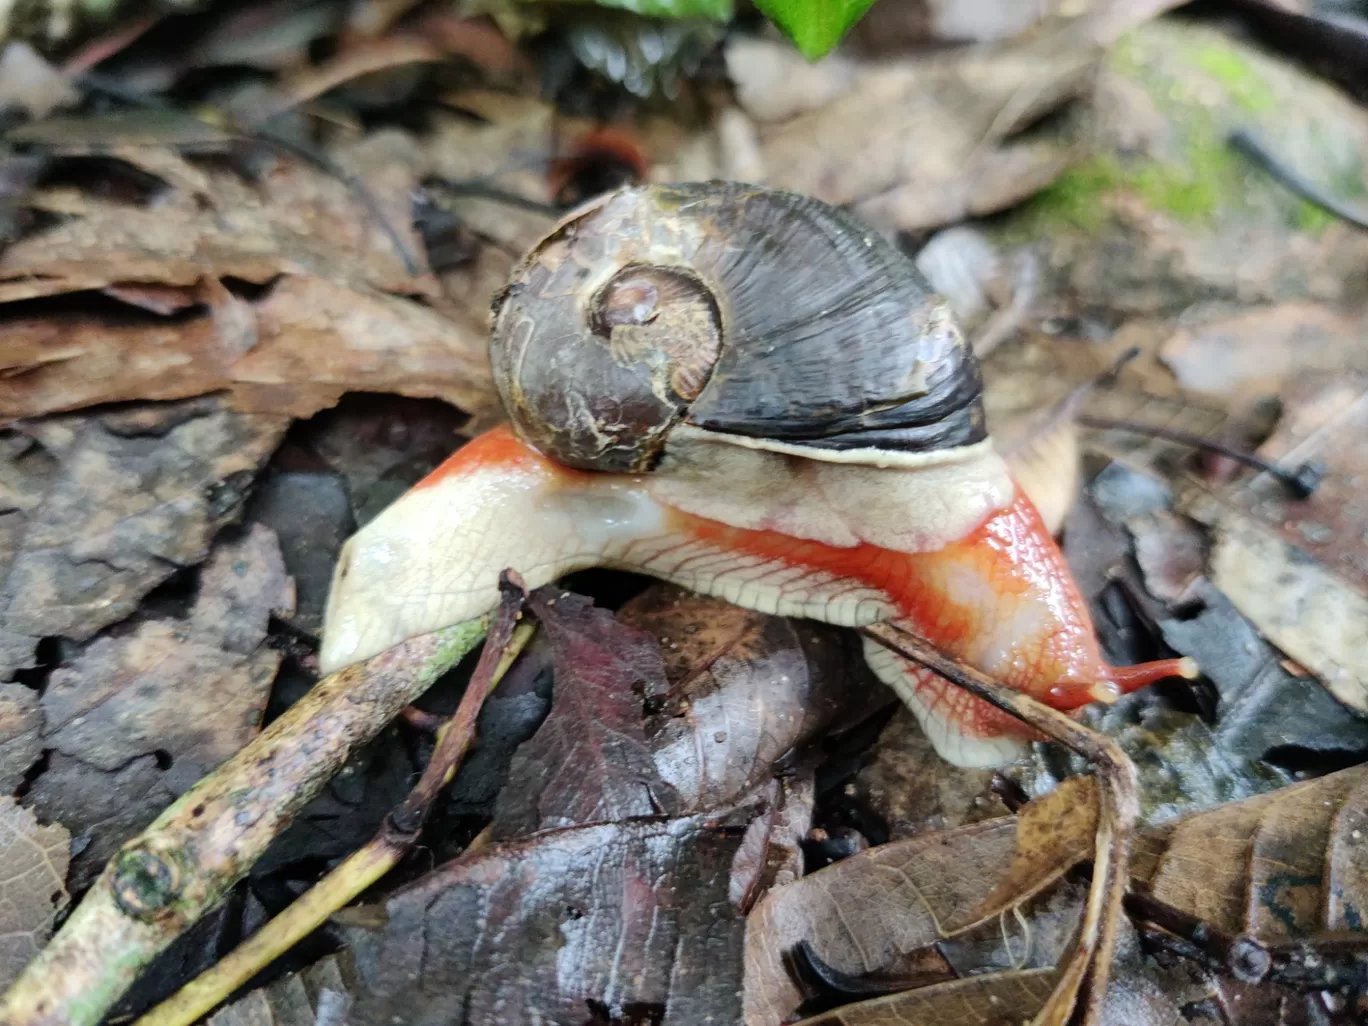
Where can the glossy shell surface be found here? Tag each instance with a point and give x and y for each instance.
(740, 310)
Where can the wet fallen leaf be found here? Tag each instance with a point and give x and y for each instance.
(382, 445)
(1279, 866)
(33, 869)
(1257, 692)
(311, 518)
(589, 762)
(182, 694)
(1299, 570)
(1171, 552)
(616, 921)
(103, 508)
(863, 913)
(907, 785)
(744, 690)
(1235, 737)
(21, 723)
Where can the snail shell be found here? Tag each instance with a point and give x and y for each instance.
(735, 309)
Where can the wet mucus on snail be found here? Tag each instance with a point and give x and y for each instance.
(760, 316)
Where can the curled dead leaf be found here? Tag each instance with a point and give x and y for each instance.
(863, 913)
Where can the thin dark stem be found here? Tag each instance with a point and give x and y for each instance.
(1118, 797)
(1242, 957)
(452, 744)
(1301, 482)
(1242, 141)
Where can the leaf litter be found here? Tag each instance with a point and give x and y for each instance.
(662, 783)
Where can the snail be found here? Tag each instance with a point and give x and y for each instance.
(750, 394)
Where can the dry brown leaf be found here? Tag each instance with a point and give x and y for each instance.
(33, 869)
(864, 912)
(364, 58)
(338, 314)
(1283, 865)
(984, 1000)
(919, 142)
(319, 339)
(947, 166)
(104, 508)
(297, 220)
(21, 723)
(179, 696)
(1243, 352)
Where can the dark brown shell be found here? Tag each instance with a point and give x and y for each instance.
(737, 309)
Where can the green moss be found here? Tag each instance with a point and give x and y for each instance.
(1233, 70)
(1312, 219)
(1191, 190)
(1076, 198)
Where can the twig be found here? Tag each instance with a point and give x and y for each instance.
(1242, 141)
(385, 850)
(160, 883)
(1239, 955)
(1301, 481)
(1090, 967)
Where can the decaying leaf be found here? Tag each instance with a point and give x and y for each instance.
(744, 690)
(383, 445)
(101, 509)
(1306, 610)
(589, 762)
(21, 723)
(617, 921)
(861, 914)
(909, 787)
(1280, 866)
(33, 869)
(161, 706)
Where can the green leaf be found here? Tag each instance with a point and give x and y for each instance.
(815, 26)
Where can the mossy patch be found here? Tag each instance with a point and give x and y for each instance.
(1234, 72)
(1202, 85)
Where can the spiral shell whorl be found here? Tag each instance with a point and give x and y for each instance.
(740, 310)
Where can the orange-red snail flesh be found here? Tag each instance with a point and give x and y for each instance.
(749, 394)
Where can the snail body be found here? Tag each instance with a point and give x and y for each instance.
(748, 394)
